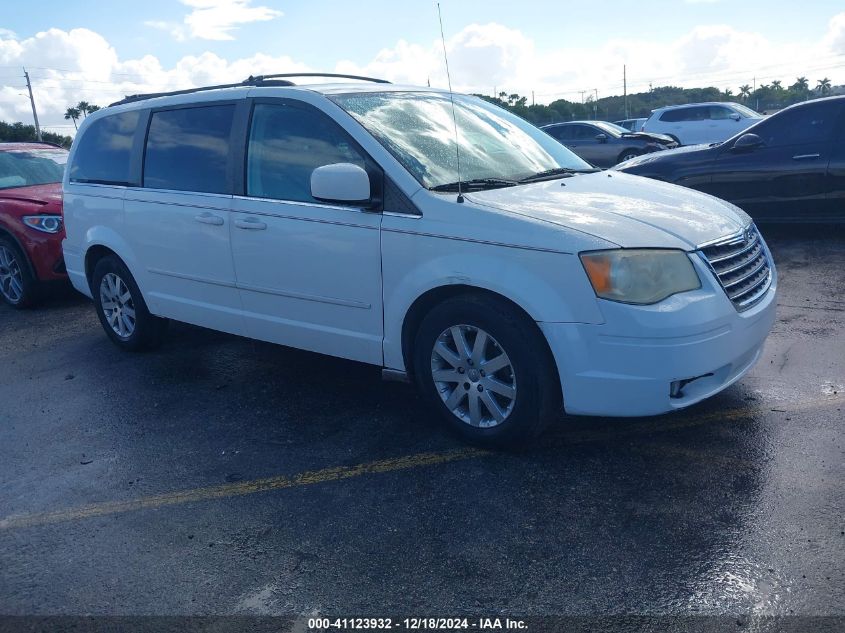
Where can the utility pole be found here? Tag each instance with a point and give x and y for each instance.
(625, 87)
(32, 102)
(596, 105)
(582, 95)
(532, 97)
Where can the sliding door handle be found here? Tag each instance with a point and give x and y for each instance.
(250, 224)
(209, 218)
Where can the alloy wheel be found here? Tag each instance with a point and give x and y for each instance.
(11, 277)
(474, 376)
(117, 304)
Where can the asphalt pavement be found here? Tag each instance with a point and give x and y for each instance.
(219, 475)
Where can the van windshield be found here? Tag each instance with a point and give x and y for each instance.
(495, 146)
(29, 167)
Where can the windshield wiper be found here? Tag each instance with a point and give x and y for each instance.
(557, 172)
(476, 184)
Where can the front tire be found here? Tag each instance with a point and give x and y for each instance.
(18, 287)
(121, 308)
(486, 368)
(628, 154)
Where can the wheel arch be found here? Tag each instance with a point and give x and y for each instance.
(423, 304)
(4, 232)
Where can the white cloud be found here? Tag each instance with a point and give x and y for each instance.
(69, 66)
(6, 34)
(216, 19)
(177, 31)
(835, 37)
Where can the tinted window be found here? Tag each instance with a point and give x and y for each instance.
(582, 132)
(719, 113)
(188, 149)
(286, 144)
(561, 132)
(806, 124)
(699, 113)
(105, 149)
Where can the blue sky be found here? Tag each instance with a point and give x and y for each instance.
(358, 30)
(556, 49)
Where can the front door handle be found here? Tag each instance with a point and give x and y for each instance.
(250, 225)
(209, 218)
(805, 156)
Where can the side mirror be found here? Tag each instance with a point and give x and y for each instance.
(747, 142)
(735, 116)
(601, 138)
(340, 182)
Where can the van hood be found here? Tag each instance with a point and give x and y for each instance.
(630, 211)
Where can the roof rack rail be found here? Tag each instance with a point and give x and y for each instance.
(263, 78)
(258, 80)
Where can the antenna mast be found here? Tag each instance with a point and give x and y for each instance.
(452, 100)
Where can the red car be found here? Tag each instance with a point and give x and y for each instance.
(31, 227)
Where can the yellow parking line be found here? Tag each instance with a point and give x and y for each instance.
(338, 473)
(241, 488)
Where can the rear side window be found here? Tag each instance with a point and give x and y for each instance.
(105, 149)
(561, 132)
(699, 113)
(188, 149)
(286, 144)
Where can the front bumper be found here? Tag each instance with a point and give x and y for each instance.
(627, 365)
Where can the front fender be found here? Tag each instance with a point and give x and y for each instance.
(548, 286)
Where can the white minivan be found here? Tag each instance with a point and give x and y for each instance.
(499, 271)
(701, 123)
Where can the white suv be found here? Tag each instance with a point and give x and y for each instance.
(501, 273)
(698, 123)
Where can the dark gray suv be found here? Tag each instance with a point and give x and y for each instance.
(606, 144)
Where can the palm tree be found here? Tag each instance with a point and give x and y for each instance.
(728, 93)
(93, 108)
(72, 114)
(802, 83)
(83, 107)
(744, 91)
(776, 85)
(823, 85)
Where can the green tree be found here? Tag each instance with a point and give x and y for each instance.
(20, 132)
(72, 114)
(744, 92)
(776, 85)
(802, 84)
(83, 107)
(823, 86)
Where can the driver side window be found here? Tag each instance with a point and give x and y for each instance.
(806, 124)
(286, 144)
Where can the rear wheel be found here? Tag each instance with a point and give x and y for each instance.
(486, 369)
(18, 287)
(121, 307)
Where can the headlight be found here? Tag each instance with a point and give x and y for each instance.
(44, 223)
(640, 276)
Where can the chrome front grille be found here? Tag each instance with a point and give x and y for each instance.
(742, 266)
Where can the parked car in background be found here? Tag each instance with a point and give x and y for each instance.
(335, 218)
(789, 167)
(697, 123)
(604, 144)
(632, 125)
(31, 229)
